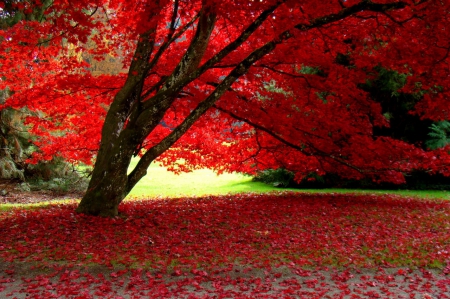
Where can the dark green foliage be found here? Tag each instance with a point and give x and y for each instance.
(284, 178)
(312, 180)
(308, 70)
(439, 135)
(396, 107)
(343, 59)
(391, 81)
(11, 15)
(276, 177)
(423, 180)
(416, 180)
(56, 175)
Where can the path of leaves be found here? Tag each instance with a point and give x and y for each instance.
(172, 247)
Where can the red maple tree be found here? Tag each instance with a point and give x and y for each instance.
(229, 85)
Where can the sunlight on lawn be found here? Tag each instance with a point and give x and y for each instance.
(162, 183)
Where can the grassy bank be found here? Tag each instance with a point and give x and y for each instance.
(162, 183)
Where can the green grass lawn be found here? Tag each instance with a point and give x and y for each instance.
(162, 183)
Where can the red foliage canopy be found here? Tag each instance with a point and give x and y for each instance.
(296, 106)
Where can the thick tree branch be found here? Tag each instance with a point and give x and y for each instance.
(171, 37)
(189, 62)
(153, 110)
(170, 92)
(191, 59)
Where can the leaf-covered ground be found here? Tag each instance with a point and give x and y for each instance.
(11, 193)
(240, 246)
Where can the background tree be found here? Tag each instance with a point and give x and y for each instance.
(197, 86)
(13, 142)
(16, 142)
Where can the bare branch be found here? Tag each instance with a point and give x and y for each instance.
(348, 11)
(174, 19)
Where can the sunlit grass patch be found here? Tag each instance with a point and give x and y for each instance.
(159, 182)
(38, 205)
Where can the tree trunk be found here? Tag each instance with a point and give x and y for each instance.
(109, 183)
(103, 199)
